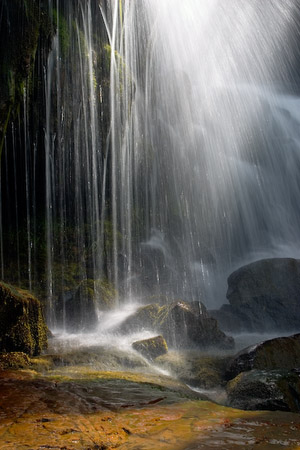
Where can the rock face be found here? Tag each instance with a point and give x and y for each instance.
(182, 324)
(22, 326)
(151, 348)
(278, 353)
(263, 296)
(265, 390)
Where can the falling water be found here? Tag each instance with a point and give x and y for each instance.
(168, 154)
(206, 140)
(74, 152)
(54, 213)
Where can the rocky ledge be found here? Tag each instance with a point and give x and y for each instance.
(127, 411)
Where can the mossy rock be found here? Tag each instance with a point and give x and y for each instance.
(22, 324)
(14, 360)
(151, 348)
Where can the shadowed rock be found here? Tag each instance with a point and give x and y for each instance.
(266, 376)
(278, 353)
(263, 296)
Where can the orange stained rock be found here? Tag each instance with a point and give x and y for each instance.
(38, 413)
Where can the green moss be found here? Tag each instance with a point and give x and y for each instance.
(62, 28)
(123, 71)
(41, 363)
(14, 360)
(21, 322)
(100, 292)
(233, 384)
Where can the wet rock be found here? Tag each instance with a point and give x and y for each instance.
(151, 348)
(278, 353)
(22, 326)
(230, 320)
(182, 324)
(97, 358)
(128, 411)
(263, 296)
(186, 324)
(79, 308)
(195, 368)
(265, 390)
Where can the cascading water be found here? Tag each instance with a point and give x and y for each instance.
(206, 147)
(168, 152)
(75, 154)
(53, 174)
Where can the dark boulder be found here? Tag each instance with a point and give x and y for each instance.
(231, 320)
(265, 390)
(22, 326)
(151, 348)
(278, 353)
(182, 324)
(263, 296)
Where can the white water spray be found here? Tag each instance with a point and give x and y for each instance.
(206, 140)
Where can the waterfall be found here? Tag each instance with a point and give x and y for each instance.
(206, 140)
(162, 151)
(74, 153)
(56, 228)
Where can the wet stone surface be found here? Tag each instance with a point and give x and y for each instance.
(84, 410)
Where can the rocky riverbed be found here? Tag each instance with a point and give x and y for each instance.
(66, 402)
